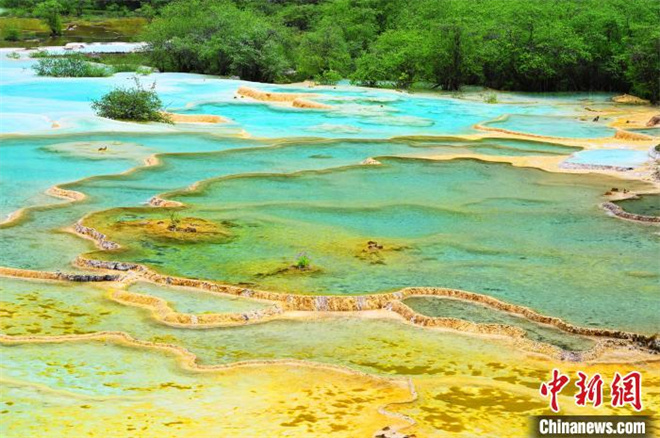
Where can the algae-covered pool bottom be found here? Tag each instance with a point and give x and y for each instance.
(528, 237)
(100, 389)
(119, 389)
(452, 308)
(647, 205)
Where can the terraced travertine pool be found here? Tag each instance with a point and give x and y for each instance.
(444, 237)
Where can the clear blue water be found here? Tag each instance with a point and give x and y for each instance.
(610, 157)
(569, 127)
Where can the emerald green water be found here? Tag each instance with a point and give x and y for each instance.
(185, 160)
(648, 205)
(523, 235)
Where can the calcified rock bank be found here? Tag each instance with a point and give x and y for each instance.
(195, 118)
(296, 100)
(291, 306)
(619, 212)
(387, 301)
(630, 99)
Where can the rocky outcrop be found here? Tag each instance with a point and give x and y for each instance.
(630, 99)
(297, 100)
(44, 275)
(634, 136)
(304, 103)
(268, 96)
(99, 238)
(157, 201)
(71, 195)
(195, 118)
(586, 166)
(619, 212)
(371, 162)
(653, 121)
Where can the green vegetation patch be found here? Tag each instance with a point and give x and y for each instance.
(70, 68)
(135, 103)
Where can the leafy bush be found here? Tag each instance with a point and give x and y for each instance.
(303, 261)
(137, 69)
(11, 33)
(135, 104)
(219, 38)
(70, 68)
(49, 11)
(328, 77)
(39, 54)
(13, 55)
(144, 70)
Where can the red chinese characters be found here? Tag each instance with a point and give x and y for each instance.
(590, 390)
(627, 390)
(554, 387)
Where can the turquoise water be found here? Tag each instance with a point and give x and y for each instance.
(357, 112)
(568, 127)
(276, 182)
(523, 235)
(610, 157)
(187, 159)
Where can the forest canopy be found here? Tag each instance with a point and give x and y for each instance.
(553, 45)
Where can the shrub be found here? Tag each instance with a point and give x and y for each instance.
(303, 261)
(11, 33)
(137, 69)
(70, 68)
(13, 55)
(136, 104)
(39, 54)
(328, 77)
(144, 70)
(49, 11)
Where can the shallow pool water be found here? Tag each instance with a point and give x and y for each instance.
(569, 127)
(197, 302)
(527, 236)
(610, 157)
(647, 205)
(452, 308)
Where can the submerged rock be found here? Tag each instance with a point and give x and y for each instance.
(371, 162)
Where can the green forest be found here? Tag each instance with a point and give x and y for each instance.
(526, 45)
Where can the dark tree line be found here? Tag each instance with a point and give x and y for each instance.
(550, 45)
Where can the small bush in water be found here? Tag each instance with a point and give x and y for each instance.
(70, 68)
(303, 261)
(135, 103)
